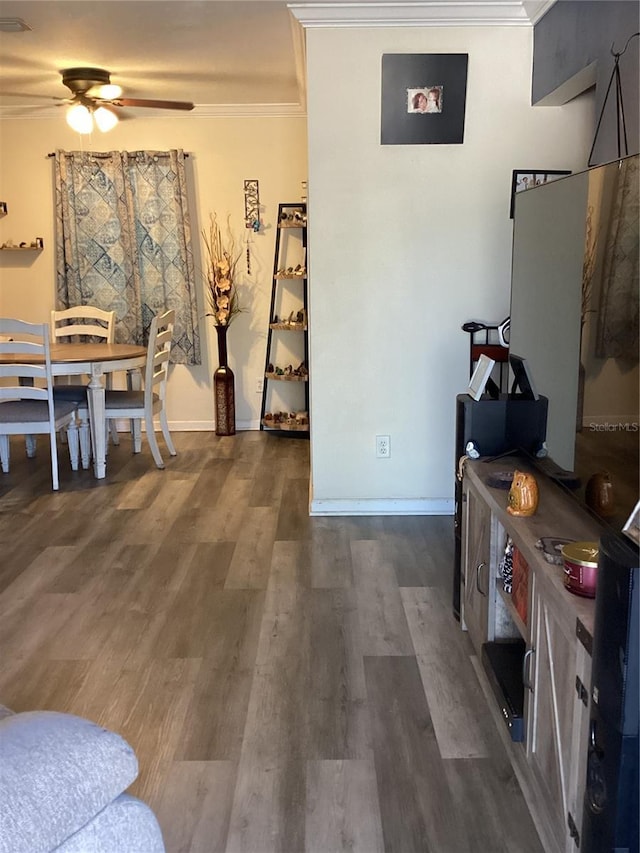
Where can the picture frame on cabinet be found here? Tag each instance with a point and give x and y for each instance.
(525, 179)
(423, 98)
(480, 377)
(523, 379)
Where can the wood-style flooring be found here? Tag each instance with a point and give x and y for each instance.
(288, 683)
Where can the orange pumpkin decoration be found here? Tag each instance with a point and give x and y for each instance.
(523, 495)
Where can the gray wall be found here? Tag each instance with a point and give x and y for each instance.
(572, 35)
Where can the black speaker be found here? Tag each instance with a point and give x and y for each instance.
(482, 422)
(499, 426)
(611, 803)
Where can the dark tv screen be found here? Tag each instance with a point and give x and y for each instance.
(574, 318)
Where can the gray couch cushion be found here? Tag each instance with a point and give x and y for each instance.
(57, 771)
(127, 825)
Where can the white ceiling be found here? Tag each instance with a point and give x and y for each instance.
(237, 56)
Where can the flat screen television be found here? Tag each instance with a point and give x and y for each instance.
(574, 318)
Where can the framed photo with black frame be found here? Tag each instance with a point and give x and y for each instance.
(423, 98)
(524, 179)
(522, 378)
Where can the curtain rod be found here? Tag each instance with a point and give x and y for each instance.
(53, 153)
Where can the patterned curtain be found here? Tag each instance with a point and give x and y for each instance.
(617, 332)
(124, 242)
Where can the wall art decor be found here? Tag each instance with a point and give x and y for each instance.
(423, 98)
(252, 204)
(524, 179)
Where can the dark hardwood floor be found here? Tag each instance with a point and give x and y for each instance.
(288, 683)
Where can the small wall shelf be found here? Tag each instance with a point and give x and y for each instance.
(286, 377)
(289, 327)
(292, 426)
(36, 245)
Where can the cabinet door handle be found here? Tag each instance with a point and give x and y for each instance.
(479, 568)
(526, 676)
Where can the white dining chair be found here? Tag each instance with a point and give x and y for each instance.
(143, 405)
(27, 406)
(82, 323)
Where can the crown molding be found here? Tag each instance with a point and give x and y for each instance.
(299, 58)
(422, 13)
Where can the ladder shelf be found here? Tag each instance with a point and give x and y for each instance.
(285, 392)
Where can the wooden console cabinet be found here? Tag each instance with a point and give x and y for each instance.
(557, 631)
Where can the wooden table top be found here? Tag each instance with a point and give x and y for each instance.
(95, 352)
(82, 353)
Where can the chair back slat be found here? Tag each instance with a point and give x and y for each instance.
(20, 347)
(23, 392)
(27, 371)
(13, 329)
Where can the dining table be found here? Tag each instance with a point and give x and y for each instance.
(94, 360)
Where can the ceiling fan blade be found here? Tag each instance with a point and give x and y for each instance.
(158, 105)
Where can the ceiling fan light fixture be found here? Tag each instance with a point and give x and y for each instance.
(109, 91)
(79, 118)
(92, 89)
(105, 119)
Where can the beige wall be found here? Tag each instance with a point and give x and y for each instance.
(406, 244)
(223, 153)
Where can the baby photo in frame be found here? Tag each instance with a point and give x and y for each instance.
(426, 100)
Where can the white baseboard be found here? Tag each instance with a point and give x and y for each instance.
(383, 506)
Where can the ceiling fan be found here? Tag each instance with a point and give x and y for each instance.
(94, 96)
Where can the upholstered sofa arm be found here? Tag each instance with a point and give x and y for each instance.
(57, 772)
(126, 824)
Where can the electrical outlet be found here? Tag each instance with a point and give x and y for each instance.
(259, 386)
(383, 447)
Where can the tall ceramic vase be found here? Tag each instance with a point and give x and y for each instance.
(223, 388)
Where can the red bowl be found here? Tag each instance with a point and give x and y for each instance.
(581, 568)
